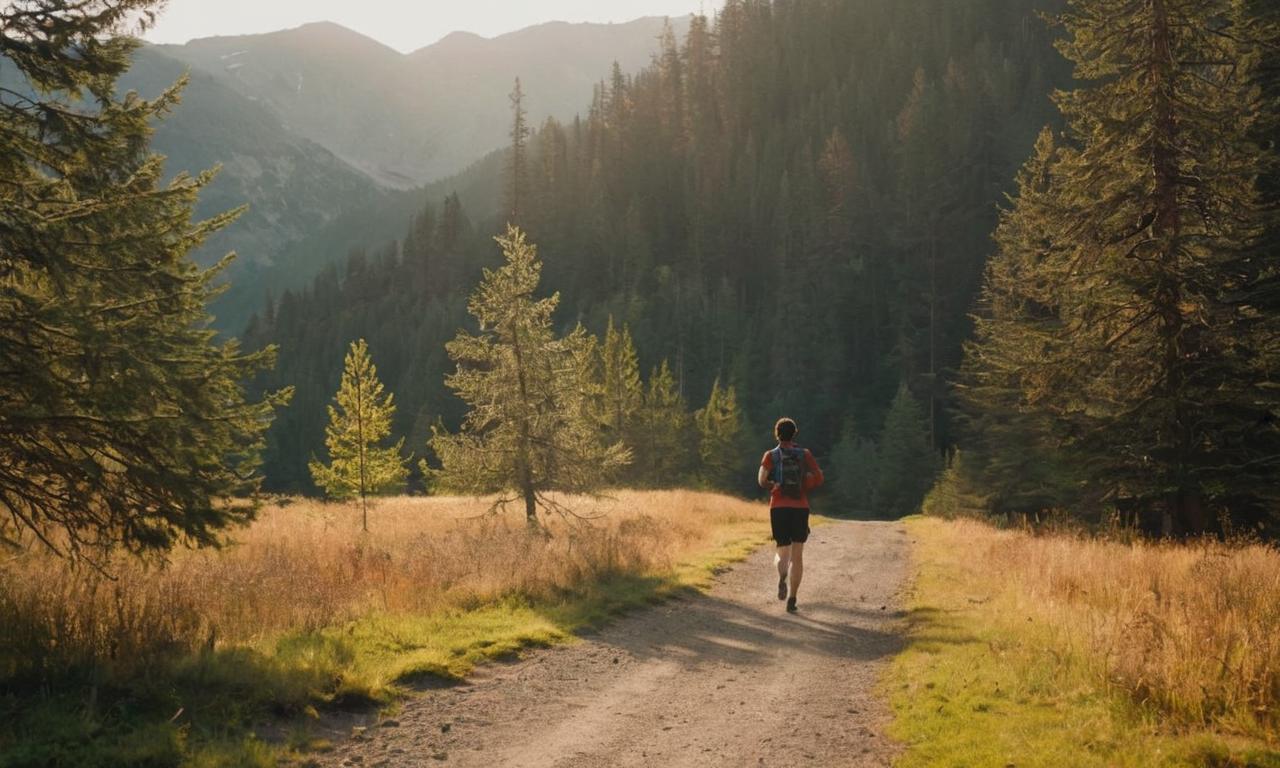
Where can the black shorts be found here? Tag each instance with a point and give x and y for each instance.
(790, 526)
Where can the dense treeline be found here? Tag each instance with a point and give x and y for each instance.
(795, 201)
(1127, 350)
(798, 200)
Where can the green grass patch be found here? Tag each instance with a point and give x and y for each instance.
(983, 684)
(392, 650)
(214, 709)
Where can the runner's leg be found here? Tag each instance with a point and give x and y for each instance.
(797, 566)
(783, 561)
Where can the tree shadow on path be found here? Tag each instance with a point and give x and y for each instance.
(701, 630)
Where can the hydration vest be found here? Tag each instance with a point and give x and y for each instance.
(788, 470)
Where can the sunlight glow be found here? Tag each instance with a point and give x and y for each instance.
(400, 24)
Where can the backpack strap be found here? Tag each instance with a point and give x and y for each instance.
(777, 463)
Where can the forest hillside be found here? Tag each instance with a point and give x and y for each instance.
(794, 199)
(287, 117)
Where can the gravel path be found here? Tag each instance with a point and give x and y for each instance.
(725, 678)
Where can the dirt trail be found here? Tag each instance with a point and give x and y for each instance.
(719, 679)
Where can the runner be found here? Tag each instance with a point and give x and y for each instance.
(788, 472)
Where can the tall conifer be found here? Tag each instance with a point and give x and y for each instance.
(123, 420)
(907, 463)
(518, 163)
(721, 446)
(621, 392)
(529, 429)
(853, 471)
(1146, 253)
(666, 447)
(357, 467)
(1012, 447)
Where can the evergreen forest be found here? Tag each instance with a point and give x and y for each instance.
(793, 205)
(1012, 264)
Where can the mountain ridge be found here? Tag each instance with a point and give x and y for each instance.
(406, 119)
(309, 28)
(288, 114)
(449, 37)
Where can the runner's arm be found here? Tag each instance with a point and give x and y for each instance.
(813, 478)
(762, 477)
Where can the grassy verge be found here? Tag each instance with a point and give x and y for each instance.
(1000, 672)
(389, 649)
(430, 596)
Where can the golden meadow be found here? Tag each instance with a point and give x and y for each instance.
(305, 565)
(1186, 632)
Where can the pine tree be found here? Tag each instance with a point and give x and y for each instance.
(1011, 446)
(671, 73)
(529, 429)
(665, 450)
(699, 60)
(721, 444)
(926, 191)
(836, 166)
(518, 164)
(123, 421)
(854, 471)
(954, 495)
(1148, 228)
(357, 467)
(907, 464)
(621, 393)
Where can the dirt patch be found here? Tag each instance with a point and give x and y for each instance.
(723, 678)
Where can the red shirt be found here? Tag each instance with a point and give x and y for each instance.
(812, 479)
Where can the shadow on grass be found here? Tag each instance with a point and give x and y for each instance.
(1212, 755)
(929, 628)
(154, 715)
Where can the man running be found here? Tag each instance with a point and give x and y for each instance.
(788, 472)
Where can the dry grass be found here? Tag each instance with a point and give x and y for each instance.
(1191, 629)
(306, 565)
(183, 664)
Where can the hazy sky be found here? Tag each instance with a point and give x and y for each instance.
(402, 24)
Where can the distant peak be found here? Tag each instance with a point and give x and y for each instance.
(327, 29)
(460, 36)
(452, 43)
(332, 34)
(680, 23)
(315, 31)
(322, 25)
(462, 39)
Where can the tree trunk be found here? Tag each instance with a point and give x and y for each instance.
(933, 305)
(530, 503)
(1188, 513)
(364, 504)
(1185, 505)
(524, 470)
